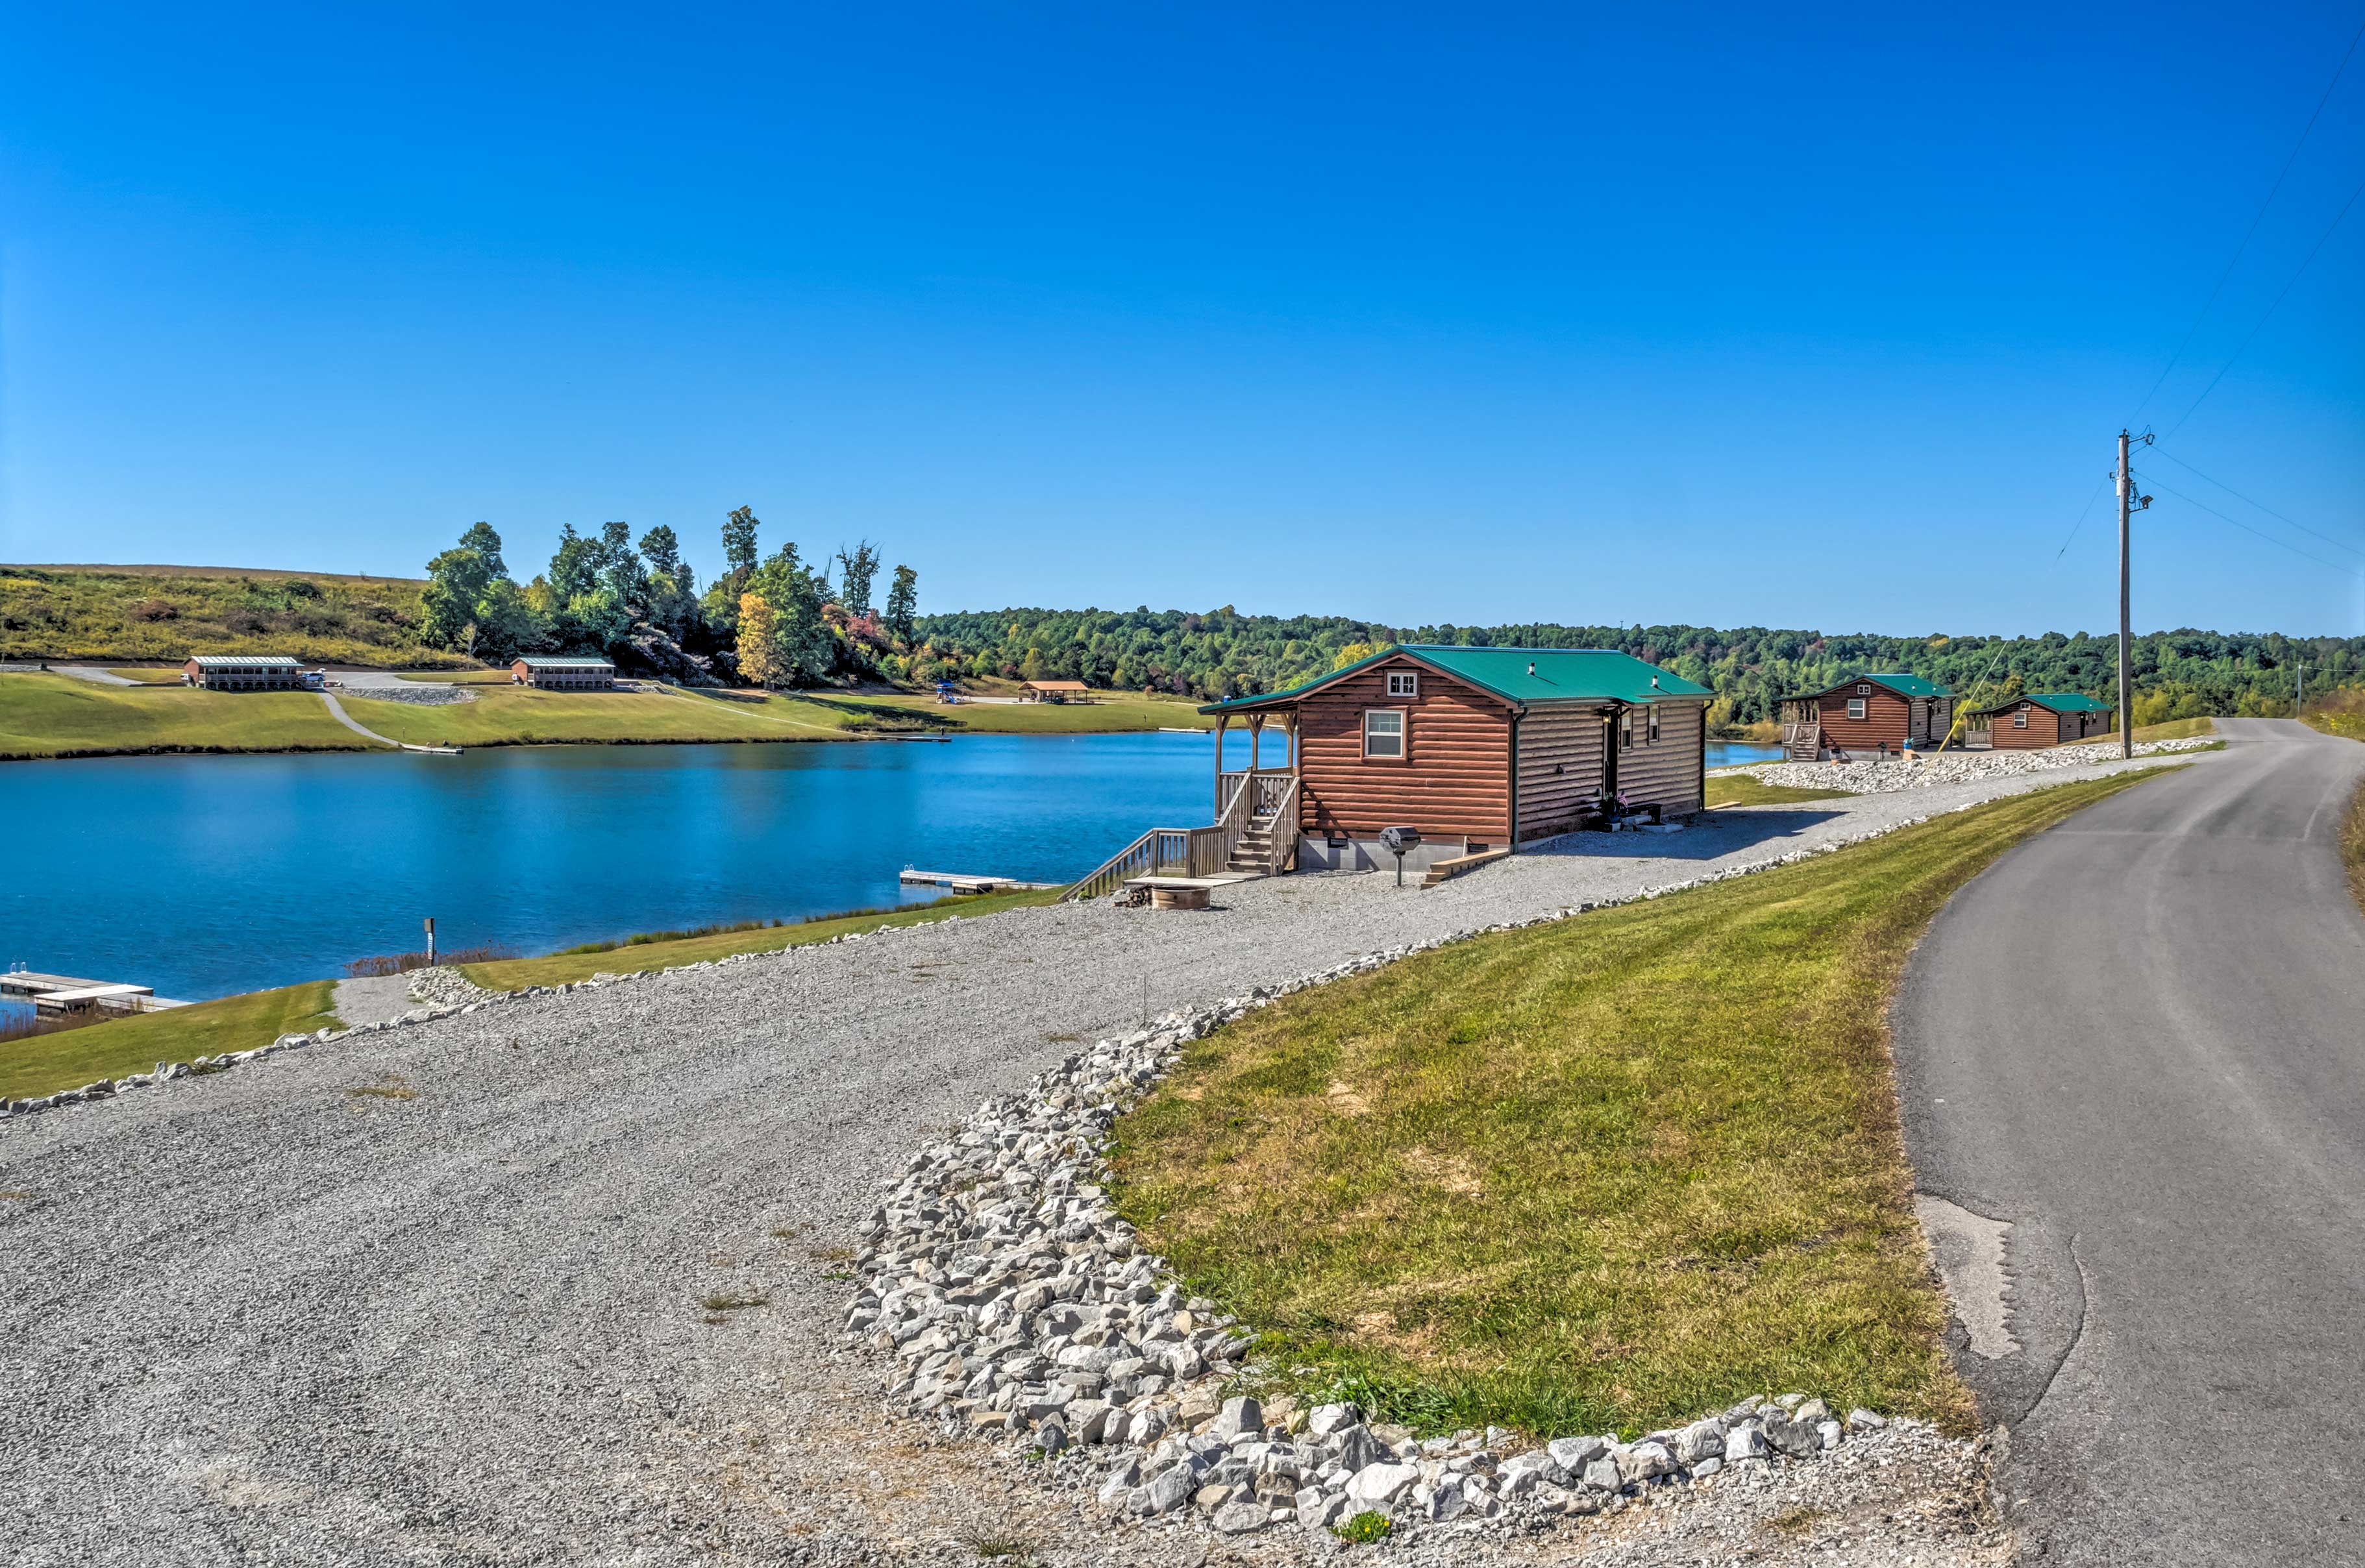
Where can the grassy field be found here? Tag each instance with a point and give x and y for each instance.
(638, 955)
(56, 715)
(64, 613)
(1744, 790)
(2340, 712)
(1108, 712)
(1608, 1172)
(72, 1057)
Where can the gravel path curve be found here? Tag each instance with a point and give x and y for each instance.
(95, 674)
(460, 1292)
(337, 712)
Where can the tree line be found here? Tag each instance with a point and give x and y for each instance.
(1221, 653)
(768, 621)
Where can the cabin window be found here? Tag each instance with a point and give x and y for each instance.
(1383, 733)
(1651, 738)
(1863, 688)
(1403, 683)
(2020, 720)
(1626, 731)
(1856, 707)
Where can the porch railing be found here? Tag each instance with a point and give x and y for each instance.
(1170, 851)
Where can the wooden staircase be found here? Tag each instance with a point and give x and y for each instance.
(1267, 843)
(1802, 743)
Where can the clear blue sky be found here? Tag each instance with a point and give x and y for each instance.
(1709, 315)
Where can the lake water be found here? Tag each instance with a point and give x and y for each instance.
(202, 876)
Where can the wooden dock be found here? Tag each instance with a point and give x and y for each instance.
(961, 883)
(64, 993)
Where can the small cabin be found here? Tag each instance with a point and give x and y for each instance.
(1866, 712)
(1054, 691)
(1476, 748)
(562, 674)
(2041, 719)
(243, 672)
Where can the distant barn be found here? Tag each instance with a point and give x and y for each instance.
(1055, 691)
(243, 672)
(2041, 719)
(562, 674)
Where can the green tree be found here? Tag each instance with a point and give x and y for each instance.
(903, 605)
(662, 551)
(575, 566)
(448, 604)
(759, 661)
(621, 572)
(506, 622)
(802, 638)
(856, 572)
(481, 538)
(739, 544)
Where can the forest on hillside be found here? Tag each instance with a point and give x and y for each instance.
(2179, 674)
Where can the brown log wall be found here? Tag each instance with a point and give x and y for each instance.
(1886, 719)
(1560, 768)
(1666, 775)
(1455, 781)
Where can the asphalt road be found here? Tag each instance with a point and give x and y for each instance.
(2138, 1042)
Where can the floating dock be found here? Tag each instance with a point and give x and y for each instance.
(63, 993)
(961, 883)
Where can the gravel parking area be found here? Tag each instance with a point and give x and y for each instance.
(380, 687)
(561, 1280)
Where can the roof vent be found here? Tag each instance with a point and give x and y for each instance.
(1654, 683)
(1531, 667)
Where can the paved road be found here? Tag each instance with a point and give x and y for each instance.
(2139, 1041)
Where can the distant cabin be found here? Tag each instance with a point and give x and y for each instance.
(1054, 691)
(243, 672)
(2041, 719)
(1866, 712)
(564, 674)
(1478, 748)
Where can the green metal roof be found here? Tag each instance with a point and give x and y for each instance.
(1524, 677)
(2059, 701)
(1908, 685)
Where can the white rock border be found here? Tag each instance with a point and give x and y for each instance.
(1004, 1293)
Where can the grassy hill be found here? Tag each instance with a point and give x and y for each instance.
(61, 613)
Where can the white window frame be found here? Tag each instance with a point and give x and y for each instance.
(2020, 719)
(1858, 707)
(1403, 735)
(1651, 731)
(1403, 683)
(1625, 731)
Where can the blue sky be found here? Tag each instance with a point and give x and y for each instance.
(1713, 316)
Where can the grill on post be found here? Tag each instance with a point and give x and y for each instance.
(1396, 841)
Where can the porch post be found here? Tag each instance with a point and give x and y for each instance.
(1256, 743)
(1223, 723)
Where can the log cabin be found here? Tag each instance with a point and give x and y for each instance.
(1866, 712)
(1478, 748)
(2041, 719)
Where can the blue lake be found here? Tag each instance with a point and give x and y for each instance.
(201, 876)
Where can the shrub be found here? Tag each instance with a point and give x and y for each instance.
(155, 610)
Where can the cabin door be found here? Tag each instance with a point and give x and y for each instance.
(1609, 754)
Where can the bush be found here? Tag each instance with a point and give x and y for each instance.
(155, 610)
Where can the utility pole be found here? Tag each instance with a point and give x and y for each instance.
(2299, 698)
(2126, 669)
(2129, 502)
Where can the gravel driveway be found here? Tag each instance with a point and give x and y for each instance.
(441, 1294)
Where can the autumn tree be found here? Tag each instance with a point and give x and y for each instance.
(759, 660)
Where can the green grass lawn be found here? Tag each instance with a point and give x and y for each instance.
(56, 715)
(1745, 790)
(1108, 712)
(69, 613)
(1608, 1172)
(72, 1057)
(562, 969)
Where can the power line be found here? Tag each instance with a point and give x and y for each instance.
(2256, 219)
(2262, 506)
(2245, 528)
(2270, 309)
(2099, 486)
